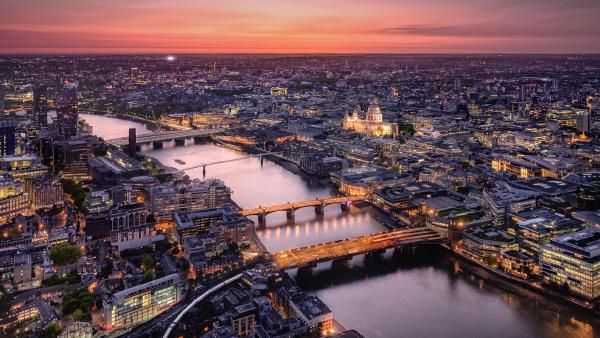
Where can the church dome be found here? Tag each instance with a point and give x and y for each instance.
(374, 113)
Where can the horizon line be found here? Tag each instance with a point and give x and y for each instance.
(9, 54)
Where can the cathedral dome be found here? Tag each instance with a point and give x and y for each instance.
(374, 113)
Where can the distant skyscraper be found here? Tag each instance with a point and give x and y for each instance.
(132, 141)
(555, 85)
(582, 121)
(67, 113)
(457, 84)
(1, 100)
(8, 130)
(39, 109)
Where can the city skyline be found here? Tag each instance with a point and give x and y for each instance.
(383, 26)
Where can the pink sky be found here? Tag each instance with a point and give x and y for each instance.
(301, 26)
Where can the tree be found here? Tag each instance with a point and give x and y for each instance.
(76, 191)
(148, 276)
(107, 268)
(52, 331)
(147, 263)
(64, 254)
(78, 314)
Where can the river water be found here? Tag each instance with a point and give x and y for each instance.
(425, 293)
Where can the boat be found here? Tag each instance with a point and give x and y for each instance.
(179, 161)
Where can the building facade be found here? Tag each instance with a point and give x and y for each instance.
(372, 124)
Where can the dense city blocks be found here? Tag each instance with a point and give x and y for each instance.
(261, 196)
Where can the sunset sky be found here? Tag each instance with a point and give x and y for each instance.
(300, 26)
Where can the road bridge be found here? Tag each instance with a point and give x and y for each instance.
(165, 136)
(345, 249)
(318, 203)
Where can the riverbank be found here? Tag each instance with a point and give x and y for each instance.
(523, 288)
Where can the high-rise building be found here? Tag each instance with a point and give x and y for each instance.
(45, 149)
(7, 137)
(1, 99)
(67, 113)
(39, 109)
(132, 141)
(583, 121)
(457, 84)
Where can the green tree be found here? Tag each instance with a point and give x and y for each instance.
(76, 191)
(147, 263)
(52, 331)
(64, 254)
(148, 276)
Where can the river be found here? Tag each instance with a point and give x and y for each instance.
(426, 293)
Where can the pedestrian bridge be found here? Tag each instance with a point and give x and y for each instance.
(346, 249)
(165, 136)
(318, 203)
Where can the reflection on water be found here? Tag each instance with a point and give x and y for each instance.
(401, 294)
(109, 128)
(428, 294)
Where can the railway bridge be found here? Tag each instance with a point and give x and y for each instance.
(347, 248)
(159, 137)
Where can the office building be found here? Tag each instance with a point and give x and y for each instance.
(8, 143)
(13, 200)
(74, 156)
(113, 167)
(39, 108)
(573, 260)
(164, 200)
(583, 121)
(536, 227)
(66, 113)
(192, 223)
(140, 303)
(487, 243)
(131, 146)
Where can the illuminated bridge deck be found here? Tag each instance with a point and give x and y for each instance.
(316, 202)
(305, 256)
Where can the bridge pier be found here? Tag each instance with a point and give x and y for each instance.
(319, 209)
(203, 171)
(262, 159)
(180, 142)
(345, 207)
(157, 144)
(290, 214)
(262, 219)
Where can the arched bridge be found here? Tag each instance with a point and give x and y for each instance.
(318, 203)
(346, 249)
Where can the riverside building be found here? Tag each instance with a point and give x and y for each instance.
(574, 260)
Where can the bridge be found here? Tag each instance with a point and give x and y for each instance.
(206, 164)
(346, 249)
(318, 203)
(165, 136)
